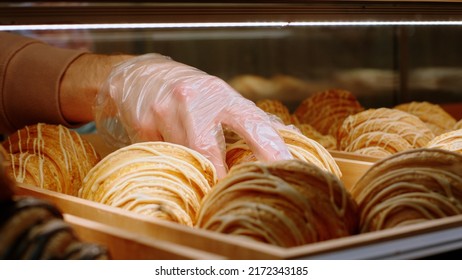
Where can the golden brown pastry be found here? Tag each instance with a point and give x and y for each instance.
(285, 88)
(294, 120)
(374, 151)
(327, 141)
(49, 156)
(276, 108)
(451, 141)
(300, 146)
(286, 203)
(378, 143)
(435, 117)
(409, 187)
(34, 229)
(158, 179)
(326, 110)
(458, 125)
(254, 87)
(290, 84)
(383, 127)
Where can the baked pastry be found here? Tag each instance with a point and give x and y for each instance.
(294, 120)
(34, 229)
(408, 188)
(378, 144)
(375, 151)
(327, 141)
(326, 110)
(254, 87)
(282, 87)
(277, 108)
(300, 146)
(6, 191)
(435, 117)
(49, 156)
(383, 127)
(451, 141)
(286, 203)
(458, 125)
(157, 179)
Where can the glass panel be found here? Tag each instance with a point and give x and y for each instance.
(382, 65)
(435, 64)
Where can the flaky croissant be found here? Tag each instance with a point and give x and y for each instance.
(49, 156)
(326, 110)
(300, 146)
(158, 179)
(286, 203)
(435, 117)
(391, 129)
(409, 187)
(451, 141)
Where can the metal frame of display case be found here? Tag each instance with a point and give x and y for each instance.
(231, 11)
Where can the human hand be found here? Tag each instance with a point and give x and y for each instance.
(152, 97)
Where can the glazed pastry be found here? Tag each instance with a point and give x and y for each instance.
(277, 108)
(49, 156)
(326, 110)
(34, 229)
(300, 146)
(327, 141)
(378, 143)
(157, 179)
(451, 141)
(286, 203)
(408, 188)
(383, 127)
(377, 152)
(435, 117)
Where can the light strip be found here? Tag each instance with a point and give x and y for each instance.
(220, 25)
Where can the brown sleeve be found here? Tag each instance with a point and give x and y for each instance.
(30, 75)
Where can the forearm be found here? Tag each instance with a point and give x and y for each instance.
(82, 81)
(31, 73)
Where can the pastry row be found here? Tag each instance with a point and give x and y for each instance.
(286, 203)
(337, 120)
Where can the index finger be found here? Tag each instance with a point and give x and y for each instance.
(258, 131)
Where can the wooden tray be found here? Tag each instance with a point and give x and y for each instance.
(157, 235)
(128, 245)
(129, 235)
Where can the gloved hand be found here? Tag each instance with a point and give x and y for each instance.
(152, 97)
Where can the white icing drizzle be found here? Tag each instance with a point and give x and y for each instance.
(300, 146)
(158, 179)
(255, 202)
(451, 141)
(402, 125)
(54, 150)
(435, 117)
(401, 195)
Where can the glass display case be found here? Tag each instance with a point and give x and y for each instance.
(384, 52)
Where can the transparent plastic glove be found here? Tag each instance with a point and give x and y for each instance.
(152, 97)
